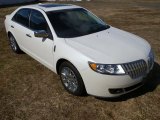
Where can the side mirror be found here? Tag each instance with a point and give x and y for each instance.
(41, 34)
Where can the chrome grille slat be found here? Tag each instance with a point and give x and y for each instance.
(132, 70)
(140, 67)
(139, 70)
(135, 69)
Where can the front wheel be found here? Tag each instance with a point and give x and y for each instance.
(71, 79)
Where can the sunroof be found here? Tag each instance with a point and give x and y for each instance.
(52, 5)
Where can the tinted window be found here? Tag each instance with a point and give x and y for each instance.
(22, 17)
(75, 22)
(37, 21)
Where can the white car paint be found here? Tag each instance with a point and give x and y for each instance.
(111, 46)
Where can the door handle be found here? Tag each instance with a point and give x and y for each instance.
(12, 26)
(28, 35)
(54, 48)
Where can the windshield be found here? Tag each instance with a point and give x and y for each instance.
(75, 22)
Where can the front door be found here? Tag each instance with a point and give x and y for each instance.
(39, 48)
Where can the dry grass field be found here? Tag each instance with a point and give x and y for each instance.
(30, 91)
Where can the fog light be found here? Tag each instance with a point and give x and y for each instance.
(116, 91)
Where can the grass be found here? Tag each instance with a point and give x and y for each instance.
(29, 91)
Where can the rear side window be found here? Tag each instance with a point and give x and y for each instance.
(22, 17)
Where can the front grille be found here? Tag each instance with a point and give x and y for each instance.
(135, 69)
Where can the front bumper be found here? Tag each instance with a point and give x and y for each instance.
(101, 85)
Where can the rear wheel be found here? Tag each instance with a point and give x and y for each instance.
(14, 44)
(71, 79)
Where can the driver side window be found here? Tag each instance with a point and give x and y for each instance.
(38, 22)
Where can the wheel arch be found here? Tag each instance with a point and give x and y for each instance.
(9, 34)
(59, 62)
(19, 51)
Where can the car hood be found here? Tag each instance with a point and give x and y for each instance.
(111, 46)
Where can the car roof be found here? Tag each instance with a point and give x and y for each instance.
(52, 7)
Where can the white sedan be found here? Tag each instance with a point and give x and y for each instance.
(89, 55)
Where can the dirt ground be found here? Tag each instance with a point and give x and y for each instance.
(29, 91)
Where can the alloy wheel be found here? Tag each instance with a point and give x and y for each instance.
(69, 79)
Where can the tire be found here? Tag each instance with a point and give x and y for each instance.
(71, 79)
(14, 45)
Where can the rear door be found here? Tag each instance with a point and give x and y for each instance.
(19, 25)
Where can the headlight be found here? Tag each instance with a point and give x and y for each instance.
(107, 68)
